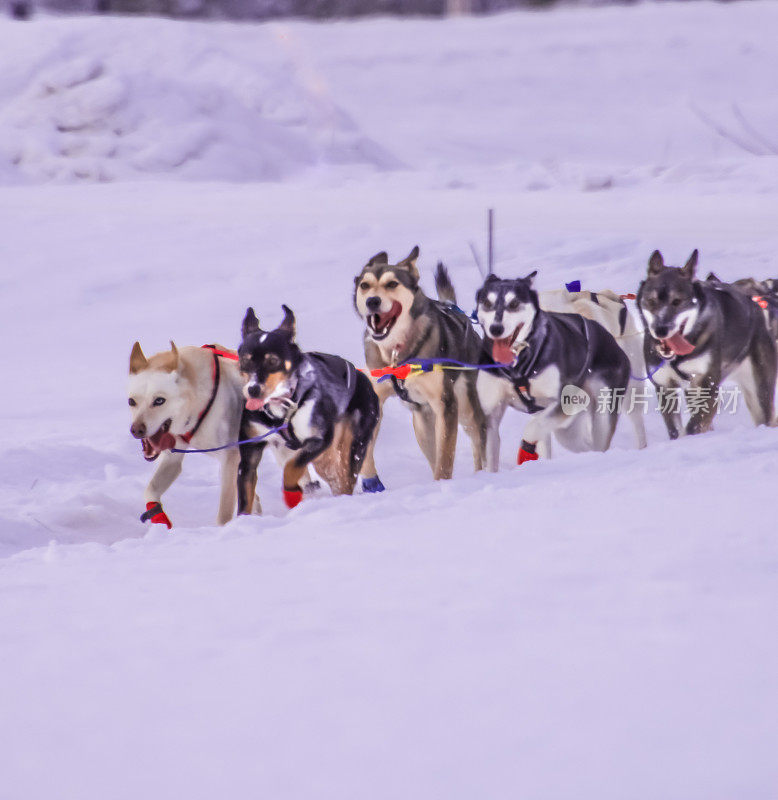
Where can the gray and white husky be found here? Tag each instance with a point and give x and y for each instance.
(697, 333)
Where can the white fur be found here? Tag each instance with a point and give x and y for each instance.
(184, 401)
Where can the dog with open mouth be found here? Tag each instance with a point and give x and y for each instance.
(697, 334)
(402, 324)
(544, 352)
(505, 322)
(188, 396)
(318, 409)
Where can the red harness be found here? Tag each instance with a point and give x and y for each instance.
(217, 354)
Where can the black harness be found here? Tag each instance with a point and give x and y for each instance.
(525, 367)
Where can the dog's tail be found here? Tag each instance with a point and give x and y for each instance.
(443, 285)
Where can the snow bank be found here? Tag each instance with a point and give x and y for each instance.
(103, 100)
(590, 99)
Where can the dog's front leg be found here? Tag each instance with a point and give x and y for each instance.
(250, 456)
(229, 485)
(170, 465)
(446, 419)
(297, 466)
(368, 471)
(539, 429)
(702, 398)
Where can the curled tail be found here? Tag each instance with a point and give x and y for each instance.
(443, 285)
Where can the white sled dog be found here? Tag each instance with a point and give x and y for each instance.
(181, 398)
(604, 307)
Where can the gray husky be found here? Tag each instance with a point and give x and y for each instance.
(698, 333)
(402, 324)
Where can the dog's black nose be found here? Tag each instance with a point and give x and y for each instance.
(661, 331)
(496, 330)
(253, 390)
(138, 431)
(373, 303)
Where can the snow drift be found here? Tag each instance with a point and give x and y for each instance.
(103, 100)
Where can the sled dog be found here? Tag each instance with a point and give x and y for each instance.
(763, 293)
(326, 409)
(699, 333)
(544, 351)
(402, 324)
(182, 397)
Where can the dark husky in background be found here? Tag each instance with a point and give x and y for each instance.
(698, 333)
(401, 324)
(329, 408)
(763, 293)
(544, 353)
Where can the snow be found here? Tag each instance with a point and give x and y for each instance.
(591, 626)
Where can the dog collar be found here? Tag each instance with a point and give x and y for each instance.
(217, 354)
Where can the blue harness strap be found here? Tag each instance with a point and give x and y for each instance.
(252, 440)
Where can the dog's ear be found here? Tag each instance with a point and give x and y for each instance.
(690, 266)
(378, 260)
(655, 264)
(531, 277)
(174, 353)
(138, 361)
(288, 324)
(409, 263)
(712, 276)
(250, 323)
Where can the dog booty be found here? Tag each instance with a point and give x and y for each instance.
(155, 514)
(372, 485)
(527, 452)
(292, 497)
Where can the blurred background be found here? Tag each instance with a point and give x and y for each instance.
(269, 9)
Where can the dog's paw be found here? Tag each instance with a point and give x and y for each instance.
(372, 485)
(155, 514)
(292, 497)
(527, 452)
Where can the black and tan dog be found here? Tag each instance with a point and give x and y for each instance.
(697, 333)
(403, 324)
(326, 407)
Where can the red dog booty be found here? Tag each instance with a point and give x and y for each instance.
(155, 514)
(292, 497)
(527, 452)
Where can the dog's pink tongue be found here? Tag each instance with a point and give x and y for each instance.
(254, 404)
(678, 345)
(501, 351)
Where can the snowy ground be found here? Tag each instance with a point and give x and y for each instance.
(593, 626)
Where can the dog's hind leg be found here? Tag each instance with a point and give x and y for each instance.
(757, 383)
(334, 464)
(636, 416)
(363, 420)
(229, 486)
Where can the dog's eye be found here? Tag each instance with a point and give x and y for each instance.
(132, 402)
(391, 285)
(487, 305)
(272, 361)
(513, 305)
(158, 401)
(364, 286)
